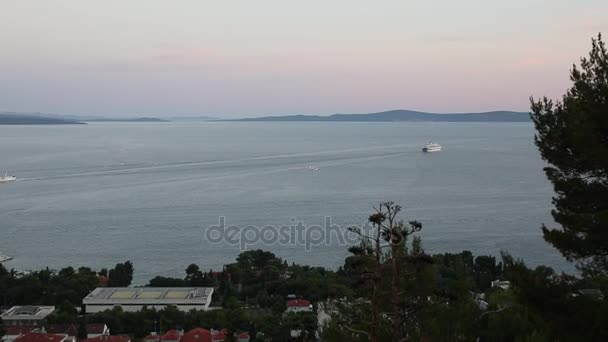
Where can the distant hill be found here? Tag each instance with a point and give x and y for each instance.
(404, 115)
(125, 120)
(10, 118)
(194, 118)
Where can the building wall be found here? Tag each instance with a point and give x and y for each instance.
(9, 338)
(91, 308)
(17, 322)
(299, 309)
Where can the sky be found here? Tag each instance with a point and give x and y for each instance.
(234, 58)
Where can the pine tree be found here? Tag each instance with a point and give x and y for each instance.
(82, 330)
(572, 136)
(121, 275)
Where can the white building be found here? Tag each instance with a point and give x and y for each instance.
(503, 284)
(134, 299)
(34, 316)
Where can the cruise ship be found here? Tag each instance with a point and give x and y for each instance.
(7, 178)
(431, 147)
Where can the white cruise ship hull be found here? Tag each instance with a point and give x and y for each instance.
(431, 149)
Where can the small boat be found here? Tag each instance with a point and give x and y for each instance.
(313, 168)
(4, 257)
(6, 178)
(431, 147)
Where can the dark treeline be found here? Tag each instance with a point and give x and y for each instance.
(441, 294)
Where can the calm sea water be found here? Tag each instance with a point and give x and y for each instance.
(100, 194)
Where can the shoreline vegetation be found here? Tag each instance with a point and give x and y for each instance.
(439, 296)
(34, 119)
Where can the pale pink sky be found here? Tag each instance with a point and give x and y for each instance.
(245, 58)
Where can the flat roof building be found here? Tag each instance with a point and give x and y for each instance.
(26, 315)
(134, 299)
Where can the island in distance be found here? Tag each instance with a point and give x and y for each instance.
(405, 115)
(9, 118)
(13, 118)
(144, 119)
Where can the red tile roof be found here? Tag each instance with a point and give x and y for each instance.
(220, 336)
(40, 337)
(152, 338)
(68, 329)
(103, 280)
(197, 335)
(298, 303)
(108, 338)
(171, 335)
(96, 328)
(65, 329)
(19, 329)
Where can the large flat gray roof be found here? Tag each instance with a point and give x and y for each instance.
(149, 295)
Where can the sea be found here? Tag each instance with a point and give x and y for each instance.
(165, 195)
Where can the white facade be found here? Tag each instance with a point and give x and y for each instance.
(104, 332)
(299, 308)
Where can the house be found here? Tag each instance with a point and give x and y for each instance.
(71, 330)
(153, 337)
(299, 305)
(97, 329)
(93, 330)
(12, 332)
(220, 336)
(41, 337)
(503, 284)
(243, 337)
(197, 335)
(108, 338)
(592, 293)
(172, 336)
(26, 315)
(103, 281)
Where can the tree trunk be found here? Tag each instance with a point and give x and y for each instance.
(376, 288)
(398, 328)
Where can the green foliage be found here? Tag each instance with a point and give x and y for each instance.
(572, 138)
(551, 306)
(166, 282)
(64, 289)
(194, 276)
(2, 332)
(305, 323)
(82, 330)
(121, 275)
